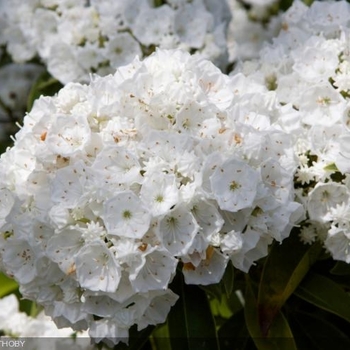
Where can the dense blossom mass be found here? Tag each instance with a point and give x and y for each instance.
(121, 180)
(74, 38)
(110, 185)
(307, 68)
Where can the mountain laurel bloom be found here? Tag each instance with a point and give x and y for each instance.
(111, 186)
(74, 39)
(306, 69)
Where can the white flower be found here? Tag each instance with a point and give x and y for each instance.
(234, 185)
(63, 247)
(338, 243)
(20, 260)
(192, 22)
(159, 307)
(323, 198)
(117, 164)
(97, 268)
(159, 192)
(121, 49)
(125, 216)
(210, 270)
(155, 272)
(177, 231)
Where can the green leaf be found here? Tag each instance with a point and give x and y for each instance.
(228, 279)
(45, 85)
(279, 335)
(213, 290)
(220, 307)
(235, 303)
(284, 268)
(160, 338)
(191, 323)
(319, 333)
(7, 285)
(331, 167)
(325, 294)
(158, 3)
(341, 268)
(285, 4)
(234, 334)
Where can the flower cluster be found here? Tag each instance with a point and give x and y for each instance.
(74, 38)
(110, 185)
(307, 68)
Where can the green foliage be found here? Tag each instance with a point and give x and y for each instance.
(277, 336)
(325, 294)
(191, 323)
(285, 267)
(315, 332)
(7, 285)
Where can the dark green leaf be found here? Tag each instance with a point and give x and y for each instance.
(284, 268)
(235, 303)
(7, 285)
(341, 268)
(158, 3)
(325, 294)
(190, 321)
(285, 4)
(234, 334)
(320, 334)
(45, 85)
(278, 336)
(213, 290)
(228, 279)
(5, 58)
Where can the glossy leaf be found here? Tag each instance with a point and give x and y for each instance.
(45, 85)
(285, 267)
(7, 285)
(190, 321)
(325, 294)
(279, 335)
